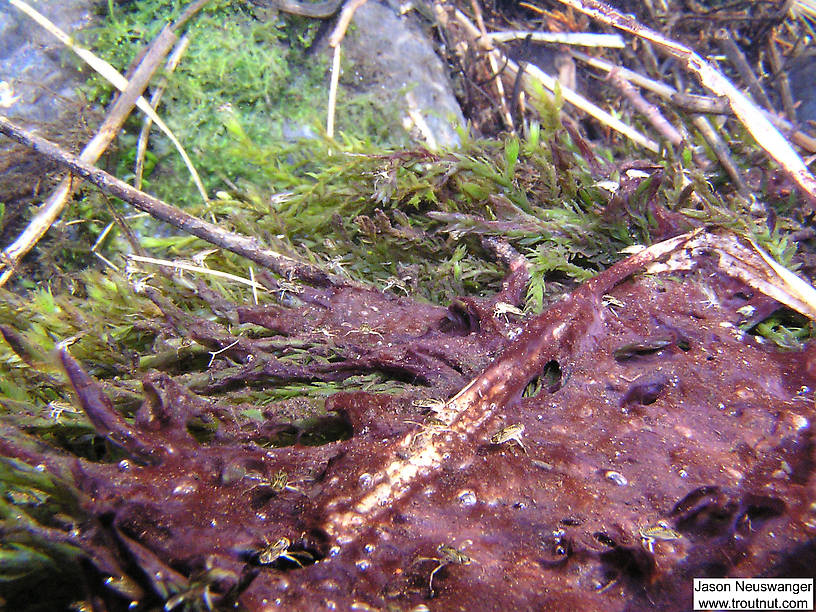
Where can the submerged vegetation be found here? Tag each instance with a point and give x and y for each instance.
(403, 222)
(249, 72)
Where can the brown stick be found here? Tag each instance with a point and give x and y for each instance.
(720, 149)
(10, 257)
(781, 77)
(648, 110)
(702, 104)
(116, 117)
(736, 57)
(237, 243)
(766, 135)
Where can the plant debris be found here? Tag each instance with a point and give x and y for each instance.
(442, 388)
(709, 436)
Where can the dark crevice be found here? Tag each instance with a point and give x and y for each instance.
(550, 379)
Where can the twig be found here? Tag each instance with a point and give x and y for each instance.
(533, 73)
(155, 98)
(245, 246)
(737, 59)
(580, 39)
(517, 100)
(638, 79)
(651, 59)
(131, 94)
(703, 104)
(781, 77)
(343, 22)
(763, 131)
(335, 80)
(120, 221)
(334, 42)
(486, 43)
(648, 110)
(720, 149)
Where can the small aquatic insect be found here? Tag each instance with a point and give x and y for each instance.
(503, 308)
(433, 403)
(431, 425)
(711, 300)
(280, 550)
(363, 329)
(509, 433)
(448, 555)
(661, 531)
(285, 286)
(277, 483)
(453, 555)
(611, 302)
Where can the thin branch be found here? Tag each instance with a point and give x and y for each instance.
(581, 39)
(333, 84)
(737, 59)
(334, 42)
(720, 149)
(533, 73)
(702, 104)
(647, 109)
(169, 67)
(763, 131)
(245, 246)
(781, 77)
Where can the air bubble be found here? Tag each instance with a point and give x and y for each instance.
(185, 488)
(617, 478)
(467, 498)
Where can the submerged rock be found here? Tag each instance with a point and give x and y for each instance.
(38, 91)
(394, 61)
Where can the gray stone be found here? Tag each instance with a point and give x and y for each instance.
(800, 74)
(38, 85)
(395, 60)
(32, 61)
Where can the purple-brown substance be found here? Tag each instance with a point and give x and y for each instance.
(648, 407)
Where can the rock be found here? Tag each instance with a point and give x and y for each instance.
(38, 92)
(32, 61)
(800, 74)
(393, 58)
